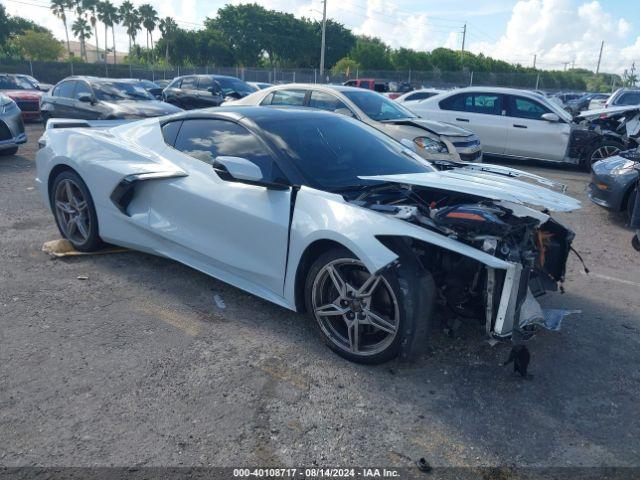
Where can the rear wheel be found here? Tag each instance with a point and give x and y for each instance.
(362, 317)
(74, 212)
(600, 151)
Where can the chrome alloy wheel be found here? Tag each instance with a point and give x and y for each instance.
(357, 311)
(603, 152)
(72, 211)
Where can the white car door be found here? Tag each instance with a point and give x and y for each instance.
(480, 112)
(237, 229)
(529, 135)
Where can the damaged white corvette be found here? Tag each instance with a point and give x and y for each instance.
(315, 212)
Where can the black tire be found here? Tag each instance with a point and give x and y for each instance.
(413, 298)
(631, 201)
(9, 151)
(92, 241)
(45, 117)
(598, 151)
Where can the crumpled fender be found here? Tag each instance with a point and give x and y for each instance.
(320, 215)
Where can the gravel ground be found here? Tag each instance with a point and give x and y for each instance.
(137, 365)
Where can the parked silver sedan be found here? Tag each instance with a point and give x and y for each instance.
(432, 140)
(12, 131)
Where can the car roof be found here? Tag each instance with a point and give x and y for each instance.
(255, 113)
(319, 86)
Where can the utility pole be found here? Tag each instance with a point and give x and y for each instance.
(324, 28)
(599, 57)
(534, 61)
(565, 65)
(464, 37)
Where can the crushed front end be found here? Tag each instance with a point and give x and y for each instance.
(533, 247)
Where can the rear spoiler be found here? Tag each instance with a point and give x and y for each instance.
(79, 123)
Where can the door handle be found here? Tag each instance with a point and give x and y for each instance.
(462, 120)
(517, 125)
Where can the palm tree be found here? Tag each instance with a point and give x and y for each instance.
(90, 6)
(82, 31)
(59, 8)
(130, 19)
(150, 18)
(168, 28)
(108, 15)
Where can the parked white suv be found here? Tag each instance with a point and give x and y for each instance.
(623, 97)
(514, 123)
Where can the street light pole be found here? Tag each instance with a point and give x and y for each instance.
(324, 27)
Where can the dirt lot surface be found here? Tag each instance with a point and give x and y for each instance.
(138, 365)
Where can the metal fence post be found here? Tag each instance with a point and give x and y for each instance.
(315, 76)
(537, 81)
(471, 79)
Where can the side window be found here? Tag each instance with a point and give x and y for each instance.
(267, 100)
(204, 83)
(521, 107)
(350, 83)
(486, 103)
(325, 101)
(629, 98)
(175, 83)
(420, 95)
(206, 139)
(288, 97)
(365, 84)
(81, 88)
(65, 89)
(170, 131)
(189, 83)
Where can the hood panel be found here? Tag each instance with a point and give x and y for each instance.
(488, 185)
(439, 128)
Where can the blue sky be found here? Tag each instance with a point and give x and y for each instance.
(557, 32)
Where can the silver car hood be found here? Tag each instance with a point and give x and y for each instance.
(495, 186)
(439, 128)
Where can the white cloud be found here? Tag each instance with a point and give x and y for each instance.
(560, 31)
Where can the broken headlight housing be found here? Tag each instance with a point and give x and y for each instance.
(430, 145)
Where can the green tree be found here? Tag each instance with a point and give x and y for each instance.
(108, 15)
(82, 31)
(90, 7)
(39, 46)
(149, 17)
(60, 8)
(168, 28)
(372, 53)
(131, 20)
(345, 66)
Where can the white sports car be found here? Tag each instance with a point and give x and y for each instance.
(315, 212)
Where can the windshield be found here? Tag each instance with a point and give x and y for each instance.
(331, 152)
(230, 85)
(378, 107)
(15, 83)
(118, 91)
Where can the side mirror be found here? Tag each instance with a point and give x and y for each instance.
(344, 111)
(241, 170)
(550, 117)
(85, 98)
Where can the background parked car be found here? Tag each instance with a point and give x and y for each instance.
(622, 97)
(598, 102)
(94, 98)
(580, 104)
(417, 95)
(516, 124)
(24, 93)
(430, 139)
(260, 85)
(151, 87)
(43, 87)
(368, 84)
(395, 89)
(614, 181)
(202, 91)
(11, 126)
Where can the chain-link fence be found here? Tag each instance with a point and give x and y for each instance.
(53, 72)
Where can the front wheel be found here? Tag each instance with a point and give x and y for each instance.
(9, 151)
(600, 151)
(362, 317)
(74, 212)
